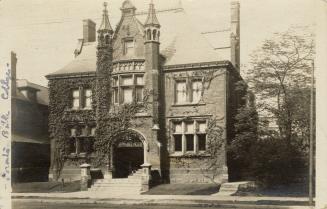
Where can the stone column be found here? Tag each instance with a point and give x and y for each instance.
(146, 177)
(85, 176)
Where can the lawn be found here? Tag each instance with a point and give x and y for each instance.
(45, 187)
(183, 189)
(292, 190)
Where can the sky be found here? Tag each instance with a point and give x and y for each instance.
(44, 33)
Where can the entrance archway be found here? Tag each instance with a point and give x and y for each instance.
(128, 154)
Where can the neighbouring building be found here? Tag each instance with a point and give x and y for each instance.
(160, 52)
(30, 137)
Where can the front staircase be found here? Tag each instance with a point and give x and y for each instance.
(129, 185)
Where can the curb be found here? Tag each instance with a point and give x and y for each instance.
(269, 204)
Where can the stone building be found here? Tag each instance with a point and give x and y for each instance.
(30, 138)
(190, 82)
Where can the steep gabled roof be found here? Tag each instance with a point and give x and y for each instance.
(180, 43)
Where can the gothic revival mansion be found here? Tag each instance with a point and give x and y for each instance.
(191, 82)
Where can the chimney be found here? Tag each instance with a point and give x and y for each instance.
(13, 64)
(89, 31)
(235, 34)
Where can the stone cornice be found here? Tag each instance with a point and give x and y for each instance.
(197, 65)
(71, 75)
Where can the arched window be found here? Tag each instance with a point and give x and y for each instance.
(158, 35)
(154, 34)
(149, 34)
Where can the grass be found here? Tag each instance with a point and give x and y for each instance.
(46, 187)
(292, 190)
(183, 189)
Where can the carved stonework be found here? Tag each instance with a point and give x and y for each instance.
(129, 66)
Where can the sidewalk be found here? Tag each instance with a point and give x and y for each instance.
(91, 197)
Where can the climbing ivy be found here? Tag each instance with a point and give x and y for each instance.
(62, 116)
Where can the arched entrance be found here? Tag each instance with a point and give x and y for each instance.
(128, 154)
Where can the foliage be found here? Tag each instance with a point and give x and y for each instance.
(276, 163)
(62, 116)
(281, 65)
(280, 78)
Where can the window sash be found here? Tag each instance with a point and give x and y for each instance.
(178, 143)
(181, 92)
(127, 95)
(129, 47)
(196, 91)
(202, 142)
(189, 142)
(139, 94)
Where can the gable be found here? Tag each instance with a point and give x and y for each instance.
(129, 31)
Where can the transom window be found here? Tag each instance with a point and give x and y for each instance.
(127, 88)
(82, 98)
(189, 136)
(188, 91)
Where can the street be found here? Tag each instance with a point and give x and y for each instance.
(31, 204)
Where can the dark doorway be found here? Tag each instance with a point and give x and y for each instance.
(127, 160)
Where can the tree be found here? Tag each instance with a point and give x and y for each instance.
(280, 78)
(280, 75)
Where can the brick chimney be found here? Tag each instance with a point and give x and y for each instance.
(13, 64)
(89, 32)
(235, 34)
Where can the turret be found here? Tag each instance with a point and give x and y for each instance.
(105, 31)
(151, 42)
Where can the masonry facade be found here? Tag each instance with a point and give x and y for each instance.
(187, 84)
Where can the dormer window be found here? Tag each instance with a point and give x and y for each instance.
(129, 47)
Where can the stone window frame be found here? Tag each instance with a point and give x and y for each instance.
(82, 97)
(189, 90)
(185, 133)
(125, 49)
(78, 136)
(118, 86)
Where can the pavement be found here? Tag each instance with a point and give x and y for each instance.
(191, 200)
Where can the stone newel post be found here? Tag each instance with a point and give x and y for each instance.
(146, 177)
(85, 176)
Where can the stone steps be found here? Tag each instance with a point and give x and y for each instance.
(228, 189)
(130, 185)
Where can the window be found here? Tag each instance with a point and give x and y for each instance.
(188, 91)
(127, 88)
(81, 142)
(88, 98)
(202, 142)
(180, 92)
(189, 136)
(196, 91)
(129, 47)
(178, 143)
(75, 99)
(127, 95)
(82, 98)
(189, 142)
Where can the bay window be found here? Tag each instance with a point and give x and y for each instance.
(127, 88)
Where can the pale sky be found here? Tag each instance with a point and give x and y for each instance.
(44, 33)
